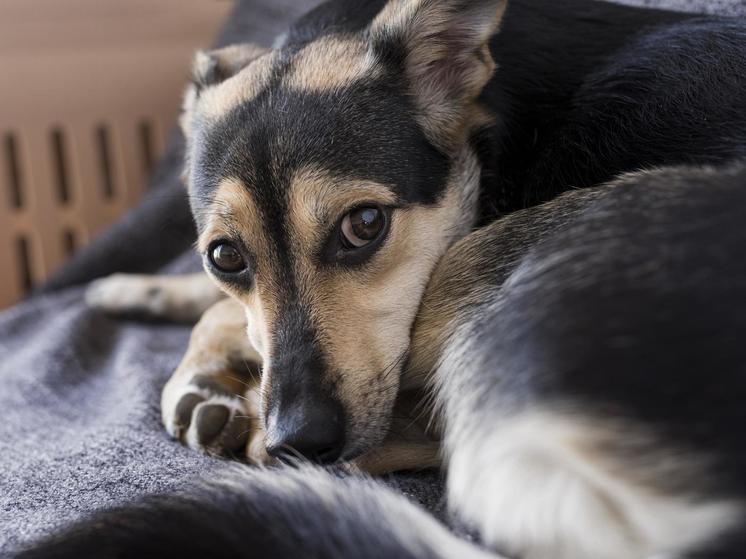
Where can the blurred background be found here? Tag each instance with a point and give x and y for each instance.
(89, 90)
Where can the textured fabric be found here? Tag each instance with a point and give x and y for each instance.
(79, 392)
(718, 7)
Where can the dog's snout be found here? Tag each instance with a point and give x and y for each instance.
(312, 427)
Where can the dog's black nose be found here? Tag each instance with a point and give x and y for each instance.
(313, 428)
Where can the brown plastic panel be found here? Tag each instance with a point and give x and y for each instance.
(82, 82)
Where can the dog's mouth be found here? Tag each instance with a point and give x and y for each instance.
(375, 429)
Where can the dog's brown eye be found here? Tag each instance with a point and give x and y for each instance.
(226, 258)
(361, 226)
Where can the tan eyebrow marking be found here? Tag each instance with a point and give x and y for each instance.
(318, 197)
(329, 63)
(232, 210)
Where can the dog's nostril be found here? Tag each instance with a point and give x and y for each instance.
(313, 431)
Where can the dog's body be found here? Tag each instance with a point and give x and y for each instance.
(585, 353)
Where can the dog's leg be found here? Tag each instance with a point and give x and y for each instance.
(412, 443)
(211, 402)
(179, 298)
(590, 399)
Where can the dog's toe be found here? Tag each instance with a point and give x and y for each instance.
(209, 421)
(212, 423)
(183, 413)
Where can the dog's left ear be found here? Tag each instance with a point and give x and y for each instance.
(443, 46)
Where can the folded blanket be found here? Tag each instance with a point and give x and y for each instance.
(79, 396)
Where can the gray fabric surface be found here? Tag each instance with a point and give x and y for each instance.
(79, 392)
(717, 7)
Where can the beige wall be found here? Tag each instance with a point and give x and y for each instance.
(88, 91)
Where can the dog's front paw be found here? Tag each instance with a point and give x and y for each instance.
(207, 416)
(180, 298)
(127, 294)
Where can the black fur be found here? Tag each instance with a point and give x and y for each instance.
(632, 309)
(584, 90)
(362, 132)
(649, 282)
(243, 512)
(627, 306)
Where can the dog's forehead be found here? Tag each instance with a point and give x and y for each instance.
(362, 128)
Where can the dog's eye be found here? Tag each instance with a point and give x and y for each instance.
(361, 226)
(226, 258)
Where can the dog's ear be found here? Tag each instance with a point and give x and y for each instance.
(208, 69)
(443, 46)
(213, 67)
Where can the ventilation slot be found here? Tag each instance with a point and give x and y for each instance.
(24, 263)
(59, 161)
(15, 196)
(146, 146)
(104, 156)
(69, 242)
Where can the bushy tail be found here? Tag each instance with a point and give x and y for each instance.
(245, 512)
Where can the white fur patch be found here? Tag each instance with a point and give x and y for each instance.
(527, 485)
(183, 297)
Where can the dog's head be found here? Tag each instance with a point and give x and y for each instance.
(327, 177)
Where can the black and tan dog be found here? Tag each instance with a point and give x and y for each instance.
(586, 353)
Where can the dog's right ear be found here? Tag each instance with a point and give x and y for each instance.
(209, 69)
(213, 67)
(442, 47)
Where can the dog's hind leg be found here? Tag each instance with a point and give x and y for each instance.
(592, 401)
(211, 403)
(179, 298)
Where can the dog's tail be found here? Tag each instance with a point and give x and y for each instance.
(245, 512)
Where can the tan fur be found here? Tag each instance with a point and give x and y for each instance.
(318, 199)
(244, 86)
(221, 367)
(367, 329)
(448, 63)
(455, 286)
(362, 316)
(214, 102)
(233, 215)
(219, 349)
(330, 63)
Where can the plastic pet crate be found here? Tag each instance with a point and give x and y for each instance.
(88, 92)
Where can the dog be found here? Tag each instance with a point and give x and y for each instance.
(380, 195)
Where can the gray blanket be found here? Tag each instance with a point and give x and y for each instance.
(79, 392)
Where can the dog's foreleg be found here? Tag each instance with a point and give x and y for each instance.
(211, 402)
(412, 443)
(180, 298)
